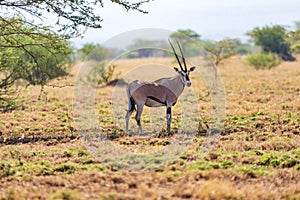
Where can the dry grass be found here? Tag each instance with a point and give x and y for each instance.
(256, 157)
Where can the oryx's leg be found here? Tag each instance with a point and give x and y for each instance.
(169, 118)
(138, 116)
(131, 108)
(128, 114)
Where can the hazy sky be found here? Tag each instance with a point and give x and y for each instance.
(212, 19)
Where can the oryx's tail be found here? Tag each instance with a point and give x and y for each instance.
(131, 103)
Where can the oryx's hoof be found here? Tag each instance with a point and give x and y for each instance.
(170, 133)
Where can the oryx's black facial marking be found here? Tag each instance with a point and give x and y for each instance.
(185, 78)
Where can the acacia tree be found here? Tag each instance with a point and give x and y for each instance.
(29, 53)
(221, 50)
(182, 34)
(189, 40)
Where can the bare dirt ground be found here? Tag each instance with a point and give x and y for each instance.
(257, 156)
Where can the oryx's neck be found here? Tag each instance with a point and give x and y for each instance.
(175, 84)
(178, 85)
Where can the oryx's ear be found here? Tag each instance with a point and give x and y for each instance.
(176, 69)
(192, 68)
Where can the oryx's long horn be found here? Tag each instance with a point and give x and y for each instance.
(176, 56)
(183, 59)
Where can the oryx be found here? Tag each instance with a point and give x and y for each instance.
(162, 92)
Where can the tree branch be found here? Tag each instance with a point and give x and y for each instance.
(76, 14)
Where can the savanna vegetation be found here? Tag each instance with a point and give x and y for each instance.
(43, 155)
(255, 157)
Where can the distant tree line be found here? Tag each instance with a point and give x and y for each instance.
(192, 45)
(277, 40)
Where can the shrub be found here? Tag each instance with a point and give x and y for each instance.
(102, 74)
(263, 60)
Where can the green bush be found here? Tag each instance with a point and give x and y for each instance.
(91, 51)
(101, 74)
(263, 60)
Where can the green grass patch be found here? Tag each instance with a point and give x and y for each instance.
(253, 170)
(282, 159)
(6, 169)
(68, 168)
(66, 194)
(209, 165)
(27, 164)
